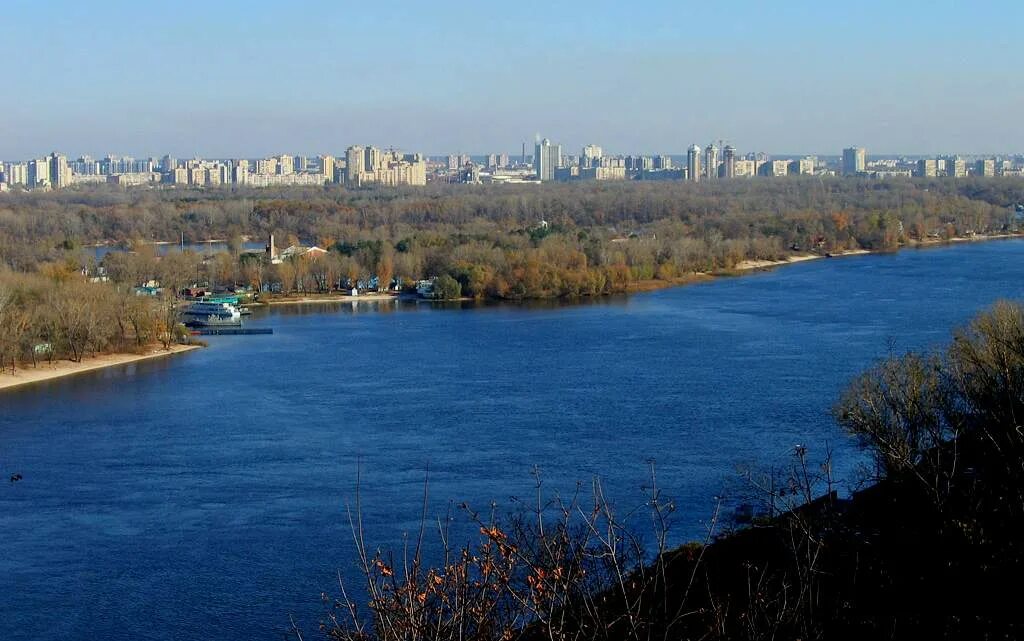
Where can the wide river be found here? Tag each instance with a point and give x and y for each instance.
(202, 496)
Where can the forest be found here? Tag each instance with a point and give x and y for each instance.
(496, 242)
(511, 241)
(56, 314)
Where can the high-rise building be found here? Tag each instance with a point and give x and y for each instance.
(266, 166)
(693, 164)
(773, 168)
(986, 167)
(802, 167)
(39, 173)
(60, 173)
(327, 168)
(355, 165)
(854, 161)
(16, 173)
(728, 162)
(592, 155)
(240, 172)
(546, 159)
(373, 159)
(927, 168)
(744, 168)
(956, 167)
(663, 162)
(285, 165)
(711, 162)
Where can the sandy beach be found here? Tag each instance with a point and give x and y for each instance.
(59, 369)
(329, 299)
(748, 265)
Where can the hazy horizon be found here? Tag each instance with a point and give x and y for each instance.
(254, 79)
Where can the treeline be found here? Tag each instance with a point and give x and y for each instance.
(57, 314)
(516, 241)
(929, 550)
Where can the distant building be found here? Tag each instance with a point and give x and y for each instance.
(39, 173)
(240, 172)
(16, 173)
(366, 165)
(266, 166)
(693, 164)
(773, 168)
(956, 167)
(592, 155)
(744, 168)
(327, 169)
(802, 167)
(728, 169)
(985, 167)
(854, 161)
(354, 167)
(134, 179)
(927, 168)
(547, 158)
(570, 174)
(711, 162)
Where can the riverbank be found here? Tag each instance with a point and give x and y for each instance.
(340, 298)
(751, 265)
(60, 369)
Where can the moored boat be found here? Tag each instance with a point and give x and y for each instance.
(207, 314)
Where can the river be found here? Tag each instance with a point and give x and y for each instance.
(202, 496)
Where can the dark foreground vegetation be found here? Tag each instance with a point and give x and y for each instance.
(931, 549)
(508, 242)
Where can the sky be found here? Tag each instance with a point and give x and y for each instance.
(249, 79)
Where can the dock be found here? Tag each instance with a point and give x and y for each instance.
(230, 331)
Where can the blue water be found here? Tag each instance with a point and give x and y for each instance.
(202, 496)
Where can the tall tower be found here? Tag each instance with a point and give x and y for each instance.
(546, 159)
(729, 162)
(711, 162)
(854, 161)
(354, 164)
(693, 164)
(60, 174)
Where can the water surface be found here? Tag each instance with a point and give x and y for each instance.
(202, 496)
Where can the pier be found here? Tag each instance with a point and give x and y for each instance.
(230, 331)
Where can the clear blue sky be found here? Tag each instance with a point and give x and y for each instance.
(234, 78)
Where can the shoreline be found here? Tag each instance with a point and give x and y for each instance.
(60, 369)
(310, 300)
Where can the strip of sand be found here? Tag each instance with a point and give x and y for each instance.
(330, 299)
(59, 369)
(747, 265)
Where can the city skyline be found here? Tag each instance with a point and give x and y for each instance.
(249, 79)
(361, 166)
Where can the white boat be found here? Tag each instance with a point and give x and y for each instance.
(206, 314)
